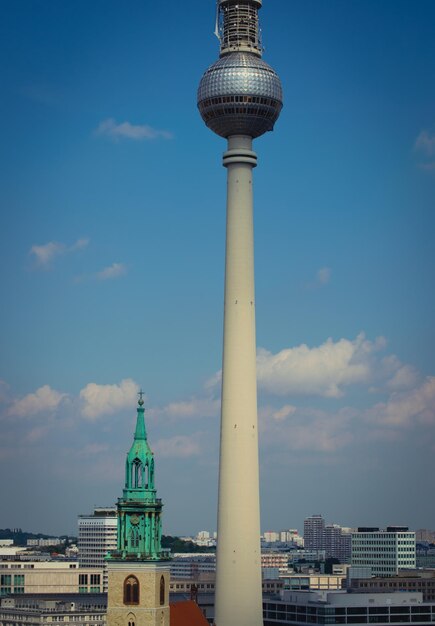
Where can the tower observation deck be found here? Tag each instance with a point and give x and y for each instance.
(239, 98)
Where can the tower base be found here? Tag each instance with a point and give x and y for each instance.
(138, 593)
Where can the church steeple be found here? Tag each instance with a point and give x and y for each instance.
(138, 570)
(139, 510)
(139, 465)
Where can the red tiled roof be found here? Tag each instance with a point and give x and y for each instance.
(187, 614)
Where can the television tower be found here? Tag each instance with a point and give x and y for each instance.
(239, 98)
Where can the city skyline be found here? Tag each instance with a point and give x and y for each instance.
(112, 262)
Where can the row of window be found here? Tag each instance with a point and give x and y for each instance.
(95, 579)
(6, 579)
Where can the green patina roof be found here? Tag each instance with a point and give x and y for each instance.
(140, 448)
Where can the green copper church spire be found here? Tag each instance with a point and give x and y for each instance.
(139, 510)
(139, 465)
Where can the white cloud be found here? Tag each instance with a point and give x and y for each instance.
(179, 446)
(113, 271)
(79, 244)
(45, 399)
(106, 399)
(320, 371)
(194, 407)
(44, 254)
(404, 377)
(326, 370)
(425, 143)
(322, 278)
(126, 130)
(307, 429)
(284, 412)
(406, 407)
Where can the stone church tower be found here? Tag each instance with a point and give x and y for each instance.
(138, 592)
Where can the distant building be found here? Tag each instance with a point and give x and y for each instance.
(338, 607)
(19, 577)
(385, 551)
(204, 538)
(425, 556)
(337, 543)
(334, 539)
(291, 536)
(416, 580)
(97, 537)
(51, 541)
(33, 610)
(314, 533)
(308, 582)
(307, 556)
(423, 534)
(271, 536)
(192, 565)
(272, 559)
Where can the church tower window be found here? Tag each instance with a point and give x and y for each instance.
(162, 590)
(131, 590)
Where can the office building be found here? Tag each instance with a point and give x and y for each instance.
(34, 610)
(412, 580)
(384, 551)
(97, 536)
(339, 607)
(337, 543)
(18, 577)
(314, 533)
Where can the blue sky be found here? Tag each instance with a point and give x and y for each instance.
(112, 247)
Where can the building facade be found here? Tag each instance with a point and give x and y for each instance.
(314, 533)
(385, 551)
(417, 580)
(65, 609)
(333, 539)
(19, 577)
(97, 537)
(338, 607)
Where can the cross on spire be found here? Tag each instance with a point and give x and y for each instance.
(141, 400)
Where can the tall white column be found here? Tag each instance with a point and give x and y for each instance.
(238, 600)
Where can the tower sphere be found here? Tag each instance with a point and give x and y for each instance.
(240, 94)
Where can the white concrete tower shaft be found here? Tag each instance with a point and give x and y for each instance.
(238, 599)
(240, 99)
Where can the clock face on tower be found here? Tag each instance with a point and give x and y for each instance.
(134, 519)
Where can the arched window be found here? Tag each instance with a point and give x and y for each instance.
(137, 474)
(134, 537)
(162, 591)
(151, 474)
(131, 590)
